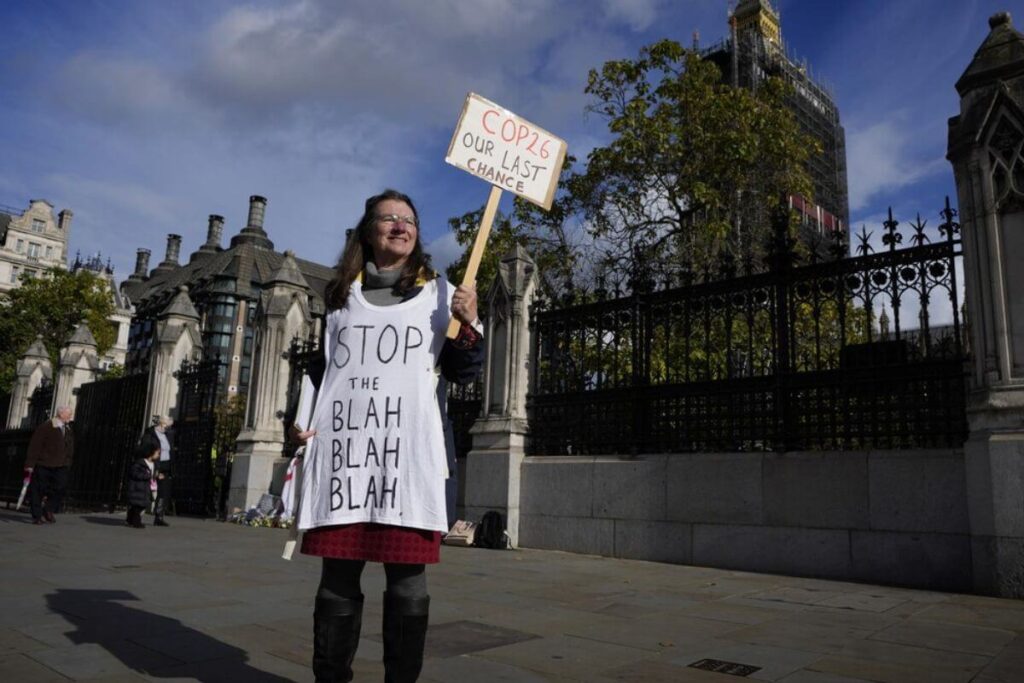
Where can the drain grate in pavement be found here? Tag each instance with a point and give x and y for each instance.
(125, 566)
(463, 637)
(723, 667)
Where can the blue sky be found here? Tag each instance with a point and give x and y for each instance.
(145, 117)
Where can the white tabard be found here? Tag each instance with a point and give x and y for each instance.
(379, 453)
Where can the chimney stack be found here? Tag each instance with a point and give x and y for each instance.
(141, 271)
(141, 263)
(64, 221)
(253, 233)
(173, 249)
(257, 207)
(215, 230)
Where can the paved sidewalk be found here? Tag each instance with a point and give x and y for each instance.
(89, 599)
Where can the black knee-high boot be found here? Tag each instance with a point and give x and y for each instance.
(336, 625)
(405, 634)
(158, 511)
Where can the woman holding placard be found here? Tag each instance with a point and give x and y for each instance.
(373, 484)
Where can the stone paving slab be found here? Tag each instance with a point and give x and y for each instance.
(87, 599)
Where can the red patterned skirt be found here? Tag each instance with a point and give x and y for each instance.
(374, 543)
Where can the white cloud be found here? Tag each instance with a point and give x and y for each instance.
(638, 14)
(879, 158)
(444, 251)
(403, 60)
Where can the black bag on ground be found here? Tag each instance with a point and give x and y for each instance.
(491, 532)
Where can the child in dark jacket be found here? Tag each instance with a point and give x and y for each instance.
(140, 476)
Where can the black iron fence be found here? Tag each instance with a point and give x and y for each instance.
(463, 409)
(40, 403)
(13, 449)
(109, 417)
(821, 356)
(5, 407)
(193, 489)
(230, 418)
(301, 354)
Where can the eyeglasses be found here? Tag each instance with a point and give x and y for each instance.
(392, 219)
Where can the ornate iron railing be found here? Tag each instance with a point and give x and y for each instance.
(813, 357)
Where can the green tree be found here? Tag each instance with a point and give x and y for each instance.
(115, 371)
(52, 305)
(543, 234)
(695, 166)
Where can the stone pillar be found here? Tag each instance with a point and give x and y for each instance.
(986, 148)
(177, 339)
(78, 364)
(281, 314)
(499, 434)
(33, 368)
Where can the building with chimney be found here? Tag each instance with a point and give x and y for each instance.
(755, 51)
(221, 288)
(31, 241)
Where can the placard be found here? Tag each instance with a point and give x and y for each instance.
(495, 145)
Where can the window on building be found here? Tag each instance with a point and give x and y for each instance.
(21, 247)
(34, 249)
(49, 252)
(38, 225)
(218, 342)
(15, 272)
(30, 273)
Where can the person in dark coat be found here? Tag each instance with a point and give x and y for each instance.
(160, 431)
(140, 478)
(50, 452)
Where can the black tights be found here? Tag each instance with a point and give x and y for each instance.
(340, 579)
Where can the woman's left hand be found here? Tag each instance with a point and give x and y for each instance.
(464, 304)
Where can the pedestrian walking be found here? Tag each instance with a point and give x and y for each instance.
(373, 484)
(141, 475)
(161, 431)
(50, 452)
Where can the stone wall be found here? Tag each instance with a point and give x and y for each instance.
(893, 517)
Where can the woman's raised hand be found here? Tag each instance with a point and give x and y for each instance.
(464, 304)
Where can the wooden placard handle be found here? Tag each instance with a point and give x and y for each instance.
(478, 250)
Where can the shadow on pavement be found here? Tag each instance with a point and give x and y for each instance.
(109, 521)
(10, 515)
(149, 643)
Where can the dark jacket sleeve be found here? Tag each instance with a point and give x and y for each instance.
(139, 471)
(35, 446)
(461, 366)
